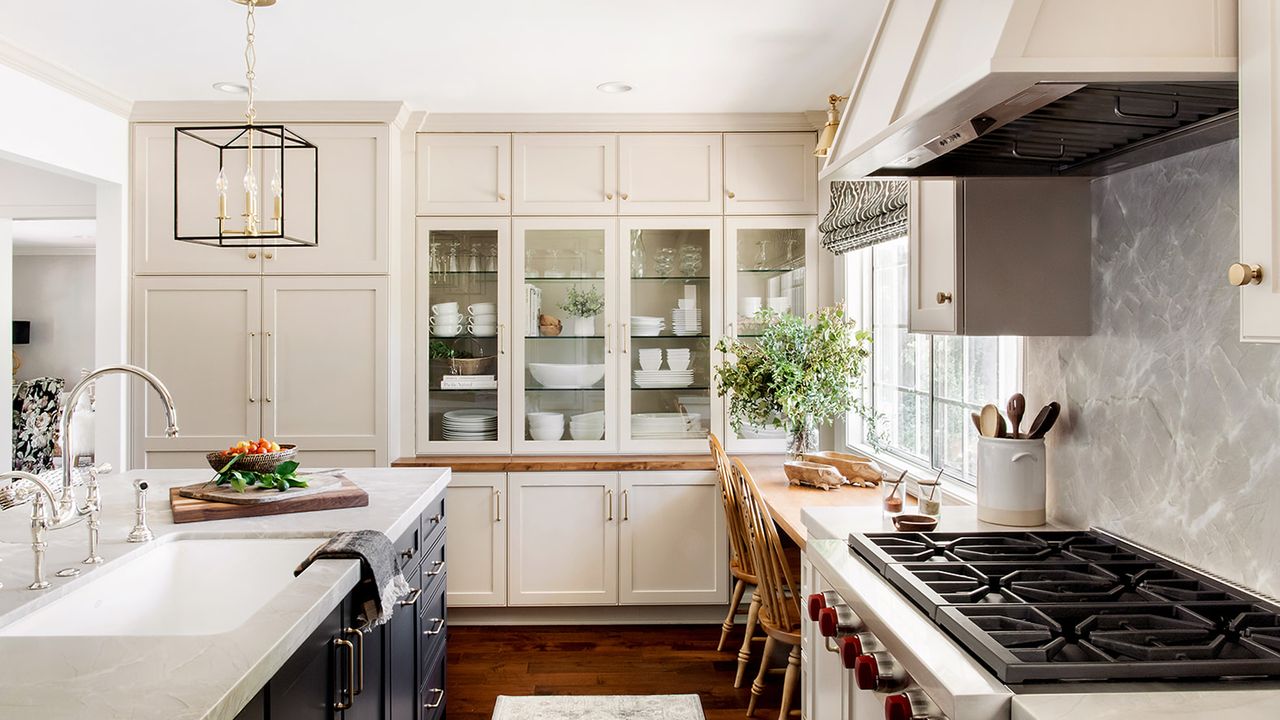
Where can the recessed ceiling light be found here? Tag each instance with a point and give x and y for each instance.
(614, 86)
(230, 87)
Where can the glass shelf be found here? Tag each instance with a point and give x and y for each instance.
(670, 337)
(542, 389)
(575, 278)
(770, 271)
(696, 278)
(691, 388)
(464, 337)
(462, 272)
(563, 337)
(465, 390)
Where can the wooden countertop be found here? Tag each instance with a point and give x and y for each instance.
(561, 463)
(786, 501)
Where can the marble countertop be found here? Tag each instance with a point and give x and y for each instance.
(1172, 704)
(179, 677)
(835, 523)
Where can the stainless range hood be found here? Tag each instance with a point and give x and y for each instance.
(1038, 87)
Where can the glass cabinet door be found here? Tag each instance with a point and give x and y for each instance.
(771, 263)
(564, 307)
(670, 310)
(463, 319)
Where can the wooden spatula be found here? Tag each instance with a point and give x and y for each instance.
(1017, 406)
(1044, 421)
(990, 421)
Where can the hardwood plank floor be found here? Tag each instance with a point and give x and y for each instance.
(485, 662)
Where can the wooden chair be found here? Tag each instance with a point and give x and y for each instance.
(740, 563)
(779, 612)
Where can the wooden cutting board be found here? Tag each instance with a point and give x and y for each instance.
(345, 494)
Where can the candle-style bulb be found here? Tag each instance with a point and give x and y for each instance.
(250, 180)
(221, 182)
(276, 187)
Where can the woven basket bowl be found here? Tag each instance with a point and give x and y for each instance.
(474, 366)
(265, 463)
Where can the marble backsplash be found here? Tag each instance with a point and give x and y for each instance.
(1171, 428)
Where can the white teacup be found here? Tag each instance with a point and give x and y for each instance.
(451, 319)
(484, 318)
(483, 330)
(446, 330)
(446, 308)
(482, 309)
(749, 306)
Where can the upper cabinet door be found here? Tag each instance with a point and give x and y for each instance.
(770, 174)
(466, 174)
(188, 330)
(560, 174)
(933, 226)
(353, 203)
(670, 174)
(155, 251)
(1260, 136)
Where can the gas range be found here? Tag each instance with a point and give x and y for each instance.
(1054, 606)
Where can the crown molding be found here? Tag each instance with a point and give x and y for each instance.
(620, 122)
(291, 111)
(62, 78)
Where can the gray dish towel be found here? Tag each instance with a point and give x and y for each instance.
(381, 582)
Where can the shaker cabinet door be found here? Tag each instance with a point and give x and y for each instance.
(1260, 135)
(934, 284)
(563, 539)
(477, 551)
(464, 174)
(566, 174)
(770, 174)
(670, 174)
(672, 547)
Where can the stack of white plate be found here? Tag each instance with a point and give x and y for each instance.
(686, 321)
(647, 325)
(546, 426)
(587, 426)
(665, 425)
(472, 424)
(663, 378)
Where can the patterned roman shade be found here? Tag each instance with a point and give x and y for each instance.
(863, 213)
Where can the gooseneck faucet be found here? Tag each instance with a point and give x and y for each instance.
(41, 521)
(68, 511)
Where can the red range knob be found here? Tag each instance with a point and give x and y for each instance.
(838, 622)
(850, 649)
(866, 674)
(897, 707)
(828, 622)
(816, 604)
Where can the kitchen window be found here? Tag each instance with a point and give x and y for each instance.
(922, 387)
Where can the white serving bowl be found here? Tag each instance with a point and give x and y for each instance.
(564, 375)
(546, 435)
(594, 432)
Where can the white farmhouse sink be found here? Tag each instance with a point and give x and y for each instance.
(179, 587)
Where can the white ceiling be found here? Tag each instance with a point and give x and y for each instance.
(465, 56)
(54, 235)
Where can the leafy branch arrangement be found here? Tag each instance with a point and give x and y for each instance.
(798, 371)
(284, 477)
(583, 303)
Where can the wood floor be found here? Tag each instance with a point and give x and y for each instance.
(485, 662)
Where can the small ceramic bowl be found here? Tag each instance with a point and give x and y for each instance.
(915, 523)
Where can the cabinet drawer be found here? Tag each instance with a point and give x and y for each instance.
(432, 695)
(433, 521)
(407, 548)
(432, 624)
(433, 568)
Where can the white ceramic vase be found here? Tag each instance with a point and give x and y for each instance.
(584, 326)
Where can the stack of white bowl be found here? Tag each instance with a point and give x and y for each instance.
(647, 325)
(446, 321)
(587, 426)
(686, 319)
(484, 319)
(546, 426)
(678, 359)
(471, 424)
(650, 358)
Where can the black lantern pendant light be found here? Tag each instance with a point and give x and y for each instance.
(251, 152)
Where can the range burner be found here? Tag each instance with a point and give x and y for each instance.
(1050, 606)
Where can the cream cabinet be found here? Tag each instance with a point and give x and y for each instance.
(354, 206)
(999, 256)
(672, 543)
(464, 174)
(1259, 164)
(670, 174)
(770, 174)
(563, 539)
(565, 174)
(477, 550)
(299, 359)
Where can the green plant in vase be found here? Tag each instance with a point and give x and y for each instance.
(583, 306)
(800, 372)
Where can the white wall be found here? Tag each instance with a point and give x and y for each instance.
(55, 292)
(6, 339)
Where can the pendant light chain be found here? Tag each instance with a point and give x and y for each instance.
(250, 59)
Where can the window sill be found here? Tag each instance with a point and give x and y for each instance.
(915, 472)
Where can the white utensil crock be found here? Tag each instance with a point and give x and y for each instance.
(1011, 481)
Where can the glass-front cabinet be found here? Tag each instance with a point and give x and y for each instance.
(463, 319)
(565, 308)
(771, 262)
(669, 317)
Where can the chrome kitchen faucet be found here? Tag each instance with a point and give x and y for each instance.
(41, 521)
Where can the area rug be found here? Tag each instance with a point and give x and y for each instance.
(599, 707)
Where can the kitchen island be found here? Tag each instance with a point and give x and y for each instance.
(168, 675)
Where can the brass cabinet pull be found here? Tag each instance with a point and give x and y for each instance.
(608, 338)
(1241, 274)
(437, 628)
(412, 597)
(270, 347)
(608, 505)
(502, 339)
(497, 506)
(439, 568)
(253, 338)
(625, 338)
(943, 298)
(359, 661)
(345, 690)
(626, 505)
(439, 699)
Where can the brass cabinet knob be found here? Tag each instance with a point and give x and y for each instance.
(730, 194)
(269, 255)
(253, 256)
(1241, 274)
(608, 196)
(944, 298)
(502, 196)
(623, 196)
